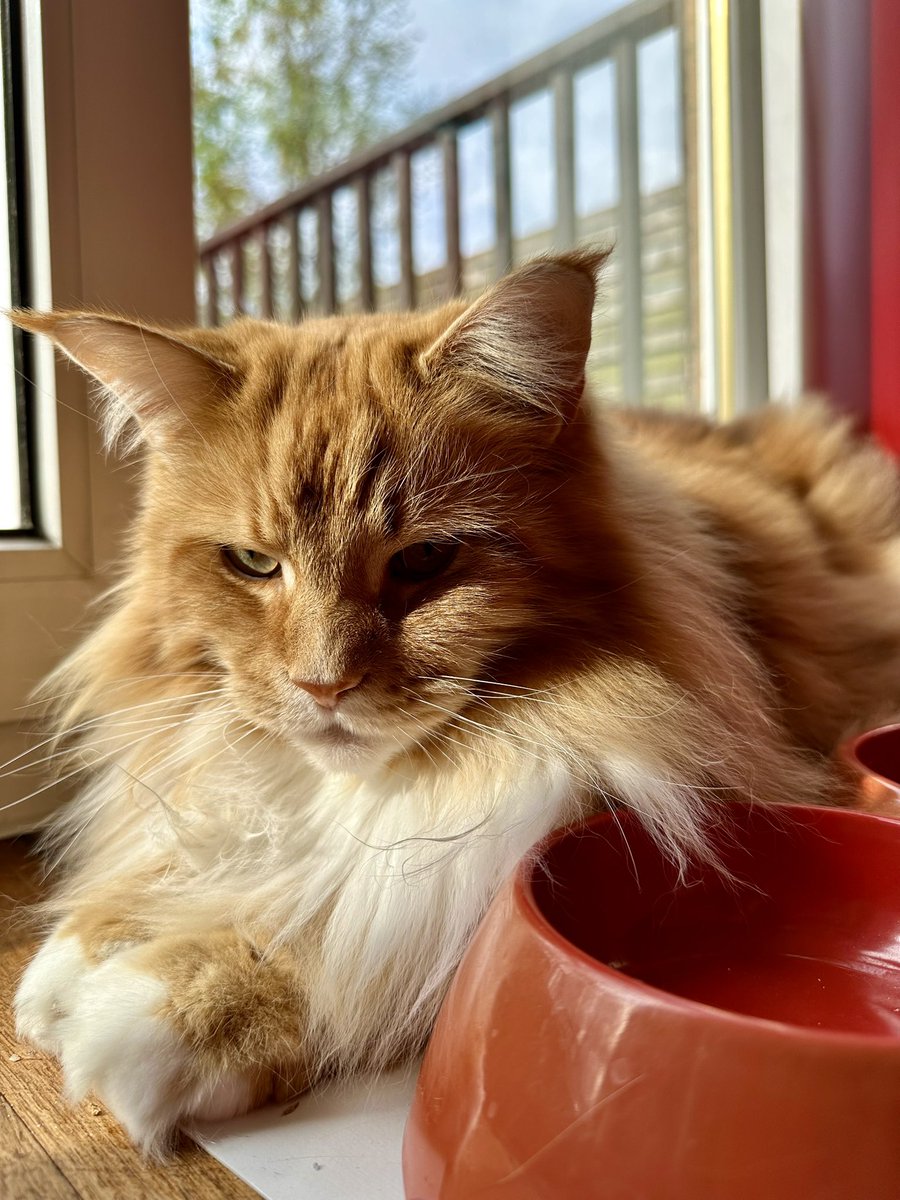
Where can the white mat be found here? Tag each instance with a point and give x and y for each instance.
(341, 1143)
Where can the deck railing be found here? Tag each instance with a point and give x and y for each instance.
(260, 265)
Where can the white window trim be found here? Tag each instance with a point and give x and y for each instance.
(109, 200)
(750, 236)
(782, 127)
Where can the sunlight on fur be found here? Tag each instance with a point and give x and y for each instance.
(398, 602)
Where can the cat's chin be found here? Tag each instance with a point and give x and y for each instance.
(342, 754)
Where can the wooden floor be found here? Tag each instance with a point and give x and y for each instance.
(48, 1149)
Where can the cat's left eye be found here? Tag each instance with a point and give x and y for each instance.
(251, 563)
(422, 560)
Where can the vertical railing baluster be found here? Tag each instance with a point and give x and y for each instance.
(327, 294)
(237, 276)
(265, 272)
(364, 240)
(502, 185)
(629, 239)
(450, 157)
(208, 264)
(295, 300)
(403, 169)
(564, 145)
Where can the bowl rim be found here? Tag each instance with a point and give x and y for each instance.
(849, 748)
(523, 895)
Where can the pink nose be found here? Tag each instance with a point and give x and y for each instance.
(327, 695)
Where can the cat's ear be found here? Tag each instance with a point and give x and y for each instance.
(154, 383)
(525, 341)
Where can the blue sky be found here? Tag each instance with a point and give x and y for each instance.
(463, 44)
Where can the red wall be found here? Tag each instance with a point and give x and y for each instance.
(851, 80)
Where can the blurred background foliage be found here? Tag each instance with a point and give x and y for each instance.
(285, 89)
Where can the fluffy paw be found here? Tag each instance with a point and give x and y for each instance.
(49, 990)
(163, 1032)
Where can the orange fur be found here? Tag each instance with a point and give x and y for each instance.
(641, 608)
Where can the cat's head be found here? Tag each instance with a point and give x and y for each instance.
(355, 518)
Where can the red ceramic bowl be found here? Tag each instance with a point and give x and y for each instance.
(618, 1033)
(872, 762)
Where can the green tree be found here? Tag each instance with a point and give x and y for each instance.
(285, 89)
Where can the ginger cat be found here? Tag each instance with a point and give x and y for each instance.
(398, 602)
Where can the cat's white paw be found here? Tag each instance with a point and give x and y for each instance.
(107, 1023)
(49, 989)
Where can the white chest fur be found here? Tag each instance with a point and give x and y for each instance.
(385, 878)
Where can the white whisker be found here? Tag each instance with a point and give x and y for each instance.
(127, 681)
(70, 730)
(77, 771)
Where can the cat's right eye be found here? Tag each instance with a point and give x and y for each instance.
(251, 563)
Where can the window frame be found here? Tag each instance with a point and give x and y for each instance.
(94, 194)
(750, 295)
(13, 214)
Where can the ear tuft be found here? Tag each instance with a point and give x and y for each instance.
(154, 383)
(528, 337)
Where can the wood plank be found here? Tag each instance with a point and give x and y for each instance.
(450, 159)
(363, 188)
(502, 187)
(19, 873)
(403, 174)
(88, 1148)
(26, 1171)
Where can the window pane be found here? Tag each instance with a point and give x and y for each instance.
(533, 173)
(659, 111)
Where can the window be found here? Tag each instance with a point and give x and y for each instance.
(667, 127)
(543, 133)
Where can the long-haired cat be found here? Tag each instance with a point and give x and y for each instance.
(398, 602)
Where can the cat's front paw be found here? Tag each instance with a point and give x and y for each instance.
(49, 990)
(167, 1031)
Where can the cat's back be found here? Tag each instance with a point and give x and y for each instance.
(800, 472)
(804, 517)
